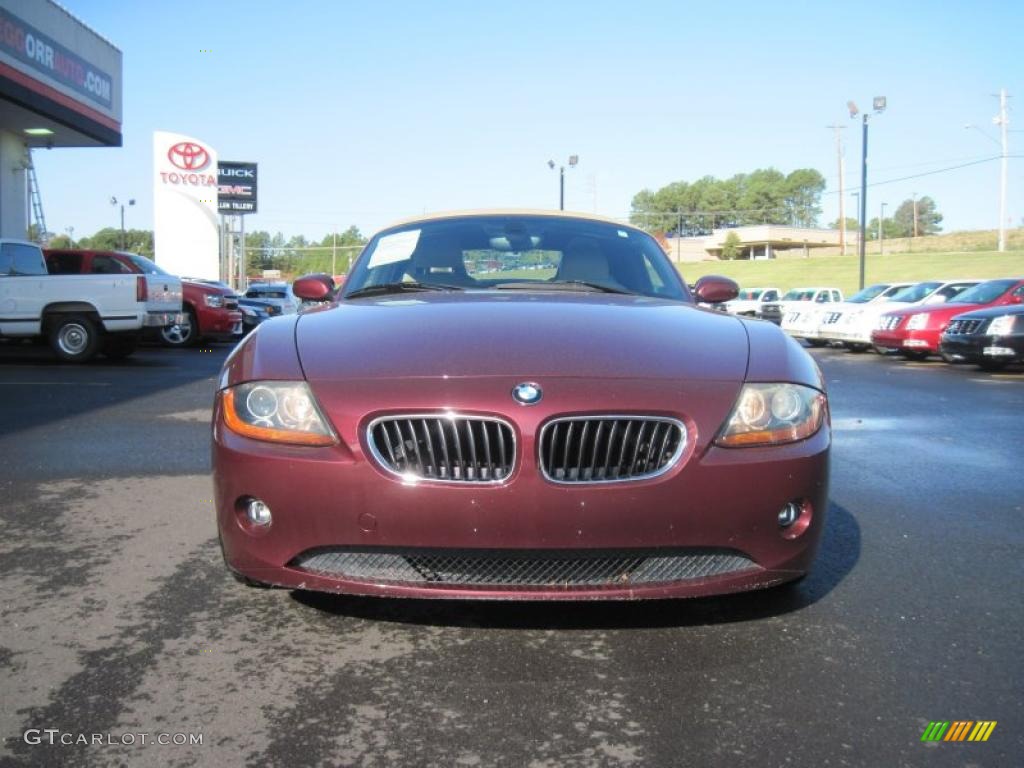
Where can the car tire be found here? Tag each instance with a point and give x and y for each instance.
(181, 334)
(119, 347)
(74, 338)
(816, 342)
(855, 347)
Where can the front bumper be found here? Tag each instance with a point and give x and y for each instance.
(923, 340)
(162, 319)
(977, 348)
(714, 499)
(222, 325)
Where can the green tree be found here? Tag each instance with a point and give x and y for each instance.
(852, 225)
(731, 246)
(138, 241)
(803, 189)
(928, 218)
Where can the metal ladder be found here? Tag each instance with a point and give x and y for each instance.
(37, 201)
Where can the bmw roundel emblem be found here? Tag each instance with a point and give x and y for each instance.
(526, 393)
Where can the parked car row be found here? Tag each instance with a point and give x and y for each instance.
(977, 321)
(86, 302)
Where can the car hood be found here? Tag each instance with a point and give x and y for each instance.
(522, 335)
(996, 311)
(947, 309)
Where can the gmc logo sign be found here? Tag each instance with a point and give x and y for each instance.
(235, 191)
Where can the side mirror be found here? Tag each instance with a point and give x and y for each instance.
(313, 287)
(713, 289)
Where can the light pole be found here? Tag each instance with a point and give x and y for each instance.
(573, 162)
(1003, 121)
(113, 201)
(856, 206)
(878, 106)
(881, 230)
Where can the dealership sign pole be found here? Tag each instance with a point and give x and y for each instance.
(236, 197)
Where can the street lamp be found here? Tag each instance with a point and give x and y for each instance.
(878, 106)
(573, 162)
(114, 202)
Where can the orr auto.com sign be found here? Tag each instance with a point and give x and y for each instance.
(40, 53)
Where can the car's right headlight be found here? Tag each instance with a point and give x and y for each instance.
(918, 321)
(276, 412)
(1001, 326)
(773, 414)
(214, 300)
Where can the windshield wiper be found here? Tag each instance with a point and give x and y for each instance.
(406, 287)
(554, 285)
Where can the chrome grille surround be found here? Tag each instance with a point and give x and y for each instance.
(564, 569)
(443, 447)
(599, 469)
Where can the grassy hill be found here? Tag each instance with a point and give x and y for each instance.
(842, 271)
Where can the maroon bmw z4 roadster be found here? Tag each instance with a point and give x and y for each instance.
(519, 405)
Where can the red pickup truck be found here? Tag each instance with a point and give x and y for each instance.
(210, 309)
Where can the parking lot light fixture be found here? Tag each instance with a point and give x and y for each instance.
(878, 105)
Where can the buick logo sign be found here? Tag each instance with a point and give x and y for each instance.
(188, 156)
(526, 393)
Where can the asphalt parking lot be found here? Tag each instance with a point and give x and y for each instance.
(118, 617)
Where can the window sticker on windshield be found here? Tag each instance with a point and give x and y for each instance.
(623, 233)
(396, 247)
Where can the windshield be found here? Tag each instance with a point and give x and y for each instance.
(750, 294)
(268, 292)
(517, 252)
(145, 266)
(865, 295)
(799, 294)
(915, 292)
(983, 293)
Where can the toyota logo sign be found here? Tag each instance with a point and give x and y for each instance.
(188, 156)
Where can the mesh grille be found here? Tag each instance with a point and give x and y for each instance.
(455, 449)
(966, 326)
(501, 568)
(609, 448)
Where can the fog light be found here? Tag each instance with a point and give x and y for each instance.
(258, 512)
(788, 515)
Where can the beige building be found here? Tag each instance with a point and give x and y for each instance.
(761, 241)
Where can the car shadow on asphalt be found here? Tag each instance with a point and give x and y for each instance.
(837, 557)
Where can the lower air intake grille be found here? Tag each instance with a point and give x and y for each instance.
(473, 449)
(601, 449)
(502, 568)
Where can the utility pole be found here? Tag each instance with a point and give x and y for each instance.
(1003, 122)
(881, 231)
(842, 184)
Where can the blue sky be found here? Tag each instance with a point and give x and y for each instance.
(363, 112)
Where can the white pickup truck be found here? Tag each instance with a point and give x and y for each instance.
(80, 315)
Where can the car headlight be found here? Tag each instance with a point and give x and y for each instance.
(772, 414)
(277, 412)
(918, 321)
(1001, 325)
(214, 300)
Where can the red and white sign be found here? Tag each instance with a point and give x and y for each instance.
(185, 219)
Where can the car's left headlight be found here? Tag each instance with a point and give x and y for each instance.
(1001, 326)
(773, 414)
(214, 300)
(276, 412)
(918, 321)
